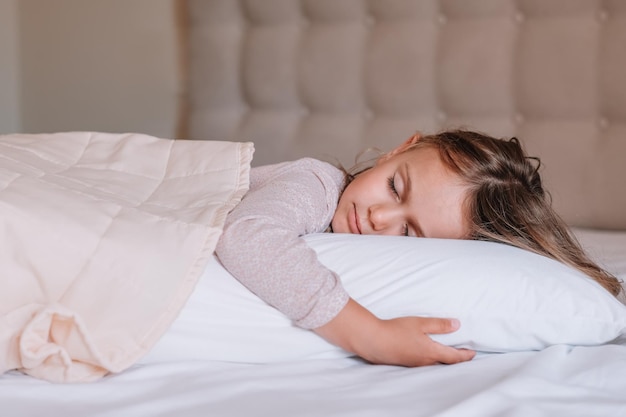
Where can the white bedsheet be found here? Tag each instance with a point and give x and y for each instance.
(558, 381)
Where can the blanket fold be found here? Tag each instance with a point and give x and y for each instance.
(104, 237)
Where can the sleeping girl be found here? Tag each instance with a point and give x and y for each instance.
(455, 184)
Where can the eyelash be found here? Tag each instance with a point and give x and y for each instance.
(392, 186)
(391, 182)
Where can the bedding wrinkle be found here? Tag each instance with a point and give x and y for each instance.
(10, 142)
(54, 342)
(111, 257)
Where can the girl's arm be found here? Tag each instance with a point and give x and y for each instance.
(402, 341)
(262, 247)
(261, 244)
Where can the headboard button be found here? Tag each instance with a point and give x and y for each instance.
(603, 16)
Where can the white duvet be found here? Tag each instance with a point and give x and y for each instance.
(103, 239)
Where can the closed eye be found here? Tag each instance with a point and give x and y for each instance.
(391, 182)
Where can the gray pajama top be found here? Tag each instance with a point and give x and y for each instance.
(262, 247)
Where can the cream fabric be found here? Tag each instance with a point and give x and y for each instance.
(329, 78)
(103, 239)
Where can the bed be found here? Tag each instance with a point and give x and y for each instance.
(329, 79)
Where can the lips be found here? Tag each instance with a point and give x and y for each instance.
(354, 223)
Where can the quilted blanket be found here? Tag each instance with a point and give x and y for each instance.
(103, 239)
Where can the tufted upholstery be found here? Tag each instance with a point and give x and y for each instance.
(329, 78)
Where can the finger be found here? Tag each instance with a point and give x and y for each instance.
(450, 355)
(439, 325)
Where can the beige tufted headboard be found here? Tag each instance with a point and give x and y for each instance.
(329, 78)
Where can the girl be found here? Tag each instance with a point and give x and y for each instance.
(456, 184)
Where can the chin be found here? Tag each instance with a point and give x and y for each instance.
(337, 227)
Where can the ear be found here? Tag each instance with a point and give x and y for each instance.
(399, 149)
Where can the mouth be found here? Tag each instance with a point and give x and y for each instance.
(355, 224)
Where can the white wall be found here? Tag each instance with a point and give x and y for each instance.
(9, 68)
(104, 65)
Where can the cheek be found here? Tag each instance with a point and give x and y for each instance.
(348, 193)
(359, 187)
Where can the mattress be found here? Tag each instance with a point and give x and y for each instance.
(560, 380)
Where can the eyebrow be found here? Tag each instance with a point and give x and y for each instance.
(407, 192)
(407, 178)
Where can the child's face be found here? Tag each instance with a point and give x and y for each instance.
(410, 193)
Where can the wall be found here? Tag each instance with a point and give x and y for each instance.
(104, 65)
(9, 68)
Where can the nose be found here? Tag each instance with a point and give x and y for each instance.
(386, 218)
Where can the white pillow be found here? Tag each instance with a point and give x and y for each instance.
(507, 300)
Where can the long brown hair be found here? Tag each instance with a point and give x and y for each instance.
(506, 201)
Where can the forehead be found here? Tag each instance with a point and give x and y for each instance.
(437, 197)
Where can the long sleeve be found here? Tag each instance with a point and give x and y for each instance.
(262, 246)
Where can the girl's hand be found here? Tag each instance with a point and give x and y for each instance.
(403, 341)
